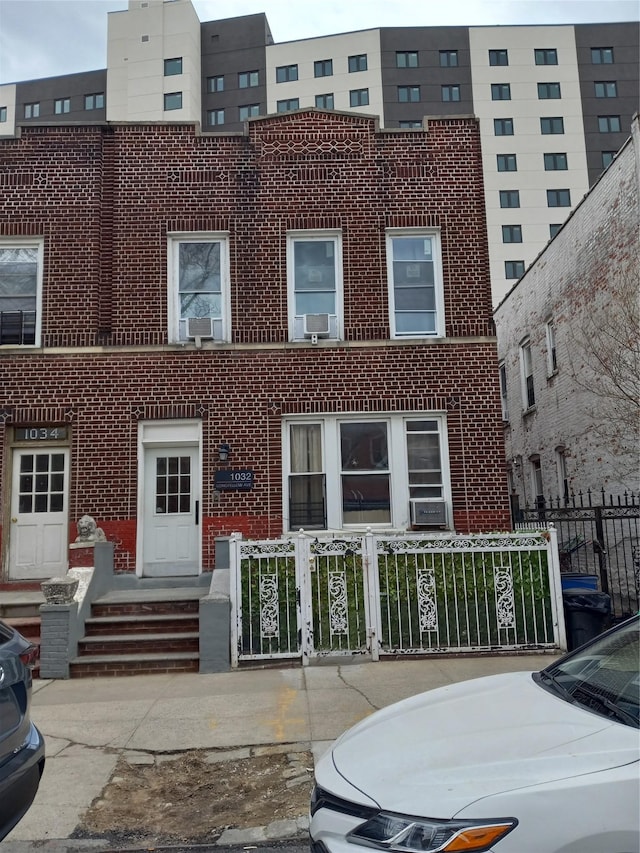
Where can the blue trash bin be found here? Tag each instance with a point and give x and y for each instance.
(577, 580)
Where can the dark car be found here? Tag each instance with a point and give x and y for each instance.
(21, 744)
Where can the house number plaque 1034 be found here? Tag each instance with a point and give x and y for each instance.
(41, 433)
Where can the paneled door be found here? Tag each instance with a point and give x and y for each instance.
(38, 534)
(171, 512)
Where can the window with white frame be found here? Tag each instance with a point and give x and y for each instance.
(503, 391)
(561, 473)
(314, 273)
(415, 283)
(198, 278)
(537, 489)
(20, 291)
(355, 471)
(552, 358)
(526, 375)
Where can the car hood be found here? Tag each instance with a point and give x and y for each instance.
(439, 751)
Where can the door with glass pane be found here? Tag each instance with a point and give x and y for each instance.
(38, 535)
(171, 512)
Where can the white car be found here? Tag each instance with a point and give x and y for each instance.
(543, 762)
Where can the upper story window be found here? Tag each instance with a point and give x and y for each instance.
(559, 198)
(347, 471)
(415, 283)
(286, 73)
(553, 229)
(526, 375)
(3, 114)
(20, 291)
(450, 92)
(215, 117)
(503, 391)
(325, 102)
(32, 110)
(358, 97)
(62, 105)
(198, 279)
(288, 104)
(323, 68)
(546, 56)
(507, 162)
(607, 157)
(551, 125)
(248, 79)
(498, 57)
(94, 102)
(314, 278)
(357, 62)
(606, 89)
(248, 111)
(512, 233)
(173, 66)
(216, 83)
(555, 162)
(408, 94)
(503, 126)
(609, 124)
(448, 59)
(509, 198)
(549, 91)
(500, 92)
(602, 55)
(406, 59)
(513, 269)
(173, 101)
(552, 357)
(410, 124)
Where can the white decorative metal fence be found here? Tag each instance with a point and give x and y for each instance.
(306, 597)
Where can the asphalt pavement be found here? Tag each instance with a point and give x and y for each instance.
(89, 723)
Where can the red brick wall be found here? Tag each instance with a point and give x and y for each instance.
(104, 199)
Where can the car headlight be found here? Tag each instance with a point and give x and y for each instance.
(424, 835)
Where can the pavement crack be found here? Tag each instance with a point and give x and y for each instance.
(357, 690)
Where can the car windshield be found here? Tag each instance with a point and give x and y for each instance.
(603, 676)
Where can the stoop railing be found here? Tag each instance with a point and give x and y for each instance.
(378, 595)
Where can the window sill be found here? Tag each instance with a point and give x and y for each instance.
(529, 411)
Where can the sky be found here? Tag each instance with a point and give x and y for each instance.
(47, 38)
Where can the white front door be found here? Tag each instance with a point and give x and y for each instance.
(38, 537)
(171, 536)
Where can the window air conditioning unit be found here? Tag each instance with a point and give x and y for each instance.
(428, 513)
(200, 327)
(316, 324)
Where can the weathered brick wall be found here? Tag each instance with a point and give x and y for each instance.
(105, 197)
(577, 280)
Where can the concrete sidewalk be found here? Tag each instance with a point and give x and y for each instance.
(89, 723)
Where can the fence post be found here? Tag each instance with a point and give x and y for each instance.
(235, 595)
(372, 581)
(598, 547)
(304, 606)
(555, 589)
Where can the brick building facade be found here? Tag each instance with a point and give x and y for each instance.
(311, 297)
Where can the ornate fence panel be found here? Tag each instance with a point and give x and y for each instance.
(598, 534)
(338, 619)
(265, 599)
(468, 593)
(392, 595)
